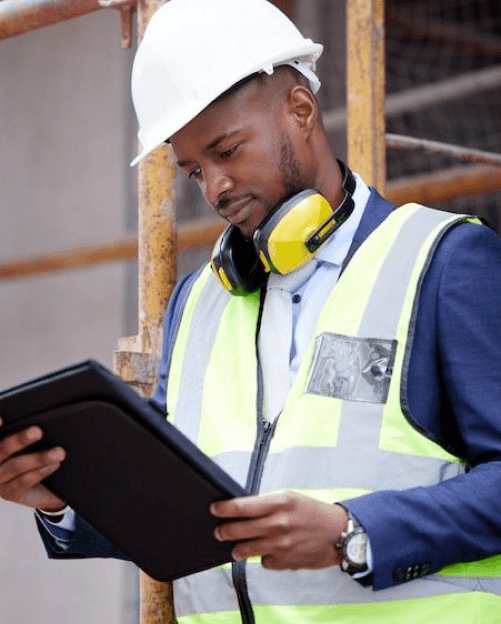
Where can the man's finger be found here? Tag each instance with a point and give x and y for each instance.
(17, 466)
(253, 548)
(20, 489)
(248, 506)
(242, 530)
(19, 441)
(268, 548)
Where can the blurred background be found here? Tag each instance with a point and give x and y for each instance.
(67, 134)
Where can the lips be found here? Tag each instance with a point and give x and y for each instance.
(237, 211)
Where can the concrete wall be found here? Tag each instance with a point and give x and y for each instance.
(64, 108)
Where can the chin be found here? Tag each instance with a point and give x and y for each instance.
(248, 227)
(247, 231)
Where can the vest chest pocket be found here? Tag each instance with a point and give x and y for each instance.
(353, 369)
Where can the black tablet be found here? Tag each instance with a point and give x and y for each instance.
(128, 472)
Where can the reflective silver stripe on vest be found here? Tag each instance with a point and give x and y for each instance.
(331, 586)
(205, 322)
(395, 274)
(293, 469)
(215, 583)
(381, 318)
(275, 588)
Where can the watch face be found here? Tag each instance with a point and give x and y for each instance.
(356, 549)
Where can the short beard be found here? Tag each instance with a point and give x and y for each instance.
(290, 171)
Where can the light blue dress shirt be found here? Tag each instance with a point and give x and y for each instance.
(309, 299)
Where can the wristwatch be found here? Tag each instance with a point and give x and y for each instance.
(352, 547)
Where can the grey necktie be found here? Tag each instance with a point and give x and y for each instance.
(275, 336)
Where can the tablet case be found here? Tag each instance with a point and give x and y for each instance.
(128, 471)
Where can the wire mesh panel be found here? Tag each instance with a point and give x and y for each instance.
(449, 53)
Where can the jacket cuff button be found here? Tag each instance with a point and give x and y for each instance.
(399, 575)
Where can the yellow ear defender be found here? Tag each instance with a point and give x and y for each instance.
(285, 240)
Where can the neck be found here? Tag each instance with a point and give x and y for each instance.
(328, 178)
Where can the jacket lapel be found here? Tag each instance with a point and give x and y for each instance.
(375, 213)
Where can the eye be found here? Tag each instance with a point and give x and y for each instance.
(195, 173)
(227, 153)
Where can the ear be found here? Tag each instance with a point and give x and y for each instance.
(303, 109)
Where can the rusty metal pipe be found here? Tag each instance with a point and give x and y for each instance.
(190, 235)
(365, 86)
(445, 185)
(21, 16)
(138, 357)
(420, 98)
(429, 189)
(400, 142)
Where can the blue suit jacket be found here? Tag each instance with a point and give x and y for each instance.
(453, 397)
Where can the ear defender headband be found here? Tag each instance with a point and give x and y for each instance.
(284, 241)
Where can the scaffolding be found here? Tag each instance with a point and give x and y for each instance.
(158, 239)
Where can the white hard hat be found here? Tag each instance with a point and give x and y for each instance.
(195, 50)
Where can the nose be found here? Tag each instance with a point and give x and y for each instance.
(215, 183)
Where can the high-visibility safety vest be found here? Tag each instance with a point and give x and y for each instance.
(348, 382)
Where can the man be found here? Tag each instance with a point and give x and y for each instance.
(378, 446)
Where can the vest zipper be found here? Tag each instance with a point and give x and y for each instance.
(239, 578)
(265, 433)
(266, 430)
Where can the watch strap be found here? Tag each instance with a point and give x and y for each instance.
(354, 531)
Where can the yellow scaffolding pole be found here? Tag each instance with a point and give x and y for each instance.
(137, 359)
(365, 85)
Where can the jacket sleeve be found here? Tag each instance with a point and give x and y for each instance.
(87, 541)
(454, 397)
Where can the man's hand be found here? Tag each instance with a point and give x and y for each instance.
(288, 531)
(20, 476)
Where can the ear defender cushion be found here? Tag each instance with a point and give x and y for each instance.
(236, 264)
(281, 239)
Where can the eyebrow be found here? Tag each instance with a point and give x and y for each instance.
(216, 142)
(211, 145)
